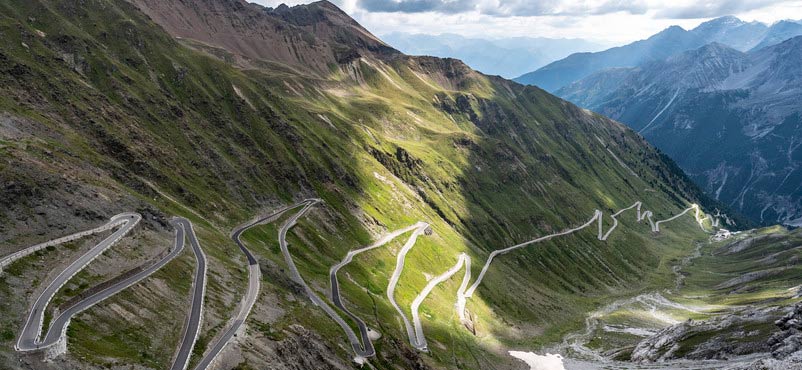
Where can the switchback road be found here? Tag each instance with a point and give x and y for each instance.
(361, 353)
(254, 276)
(416, 337)
(399, 267)
(335, 286)
(192, 326)
(29, 339)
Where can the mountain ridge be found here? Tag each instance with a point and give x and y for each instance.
(727, 30)
(311, 36)
(755, 95)
(663, 44)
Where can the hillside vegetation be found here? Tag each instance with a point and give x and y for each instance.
(103, 111)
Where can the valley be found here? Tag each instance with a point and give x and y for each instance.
(695, 299)
(29, 340)
(346, 206)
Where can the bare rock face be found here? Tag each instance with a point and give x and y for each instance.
(312, 37)
(789, 340)
(786, 345)
(663, 344)
(723, 337)
(304, 349)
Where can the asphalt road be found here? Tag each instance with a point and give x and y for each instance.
(63, 320)
(597, 217)
(361, 353)
(192, 326)
(29, 338)
(464, 259)
(7, 260)
(254, 276)
(399, 267)
(416, 336)
(367, 345)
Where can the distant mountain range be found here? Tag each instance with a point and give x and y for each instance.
(509, 57)
(729, 30)
(731, 119)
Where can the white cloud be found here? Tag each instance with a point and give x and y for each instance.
(617, 21)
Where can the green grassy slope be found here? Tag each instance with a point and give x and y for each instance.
(724, 303)
(103, 97)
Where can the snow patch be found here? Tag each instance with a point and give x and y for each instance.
(537, 362)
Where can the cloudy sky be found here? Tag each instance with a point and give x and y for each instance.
(615, 21)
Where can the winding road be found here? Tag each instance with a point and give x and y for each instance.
(367, 347)
(361, 353)
(399, 267)
(416, 337)
(254, 277)
(597, 217)
(193, 323)
(464, 259)
(9, 259)
(29, 339)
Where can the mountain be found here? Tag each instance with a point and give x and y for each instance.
(226, 113)
(731, 31)
(577, 66)
(727, 30)
(779, 32)
(311, 39)
(507, 57)
(730, 119)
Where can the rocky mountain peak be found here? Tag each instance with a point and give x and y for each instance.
(731, 31)
(672, 31)
(714, 55)
(720, 22)
(307, 14)
(312, 37)
(715, 49)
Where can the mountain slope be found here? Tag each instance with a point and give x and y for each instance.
(577, 66)
(733, 32)
(313, 39)
(104, 110)
(779, 32)
(729, 118)
(727, 30)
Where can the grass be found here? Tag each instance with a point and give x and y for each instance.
(489, 165)
(93, 339)
(703, 292)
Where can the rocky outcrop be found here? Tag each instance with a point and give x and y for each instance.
(311, 37)
(789, 340)
(786, 345)
(744, 244)
(715, 339)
